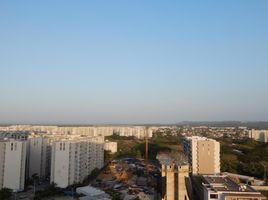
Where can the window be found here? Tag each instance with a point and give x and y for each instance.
(213, 196)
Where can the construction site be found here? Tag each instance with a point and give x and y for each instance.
(129, 178)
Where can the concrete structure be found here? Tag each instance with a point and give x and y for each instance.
(174, 182)
(250, 180)
(135, 131)
(74, 159)
(17, 135)
(12, 164)
(39, 156)
(203, 155)
(223, 188)
(259, 135)
(92, 193)
(110, 146)
(95, 153)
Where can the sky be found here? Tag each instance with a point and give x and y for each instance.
(128, 61)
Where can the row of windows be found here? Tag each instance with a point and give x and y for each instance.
(13, 147)
(62, 146)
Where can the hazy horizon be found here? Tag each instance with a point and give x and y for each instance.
(131, 62)
(209, 123)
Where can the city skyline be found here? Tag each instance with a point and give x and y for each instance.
(133, 62)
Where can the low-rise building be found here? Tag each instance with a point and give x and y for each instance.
(110, 146)
(221, 187)
(92, 193)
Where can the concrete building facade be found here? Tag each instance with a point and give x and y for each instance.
(39, 150)
(218, 187)
(110, 146)
(73, 160)
(12, 164)
(203, 155)
(174, 179)
(259, 135)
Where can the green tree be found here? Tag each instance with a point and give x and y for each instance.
(5, 193)
(35, 179)
(107, 156)
(94, 174)
(138, 154)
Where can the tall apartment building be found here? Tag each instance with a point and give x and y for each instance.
(74, 159)
(259, 135)
(17, 135)
(203, 155)
(95, 152)
(135, 131)
(174, 179)
(12, 164)
(39, 156)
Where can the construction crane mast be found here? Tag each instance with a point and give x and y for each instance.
(146, 144)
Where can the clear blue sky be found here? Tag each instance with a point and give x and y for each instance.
(133, 61)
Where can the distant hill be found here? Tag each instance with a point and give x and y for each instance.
(255, 125)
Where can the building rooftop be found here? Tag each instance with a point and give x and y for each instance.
(171, 158)
(89, 191)
(199, 138)
(225, 184)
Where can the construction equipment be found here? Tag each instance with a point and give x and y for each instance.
(146, 144)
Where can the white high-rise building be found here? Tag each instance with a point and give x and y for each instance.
(74, 159)
(12, 164)
(95, 153)
(259, 135)
(39, 150)
(203, 154)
